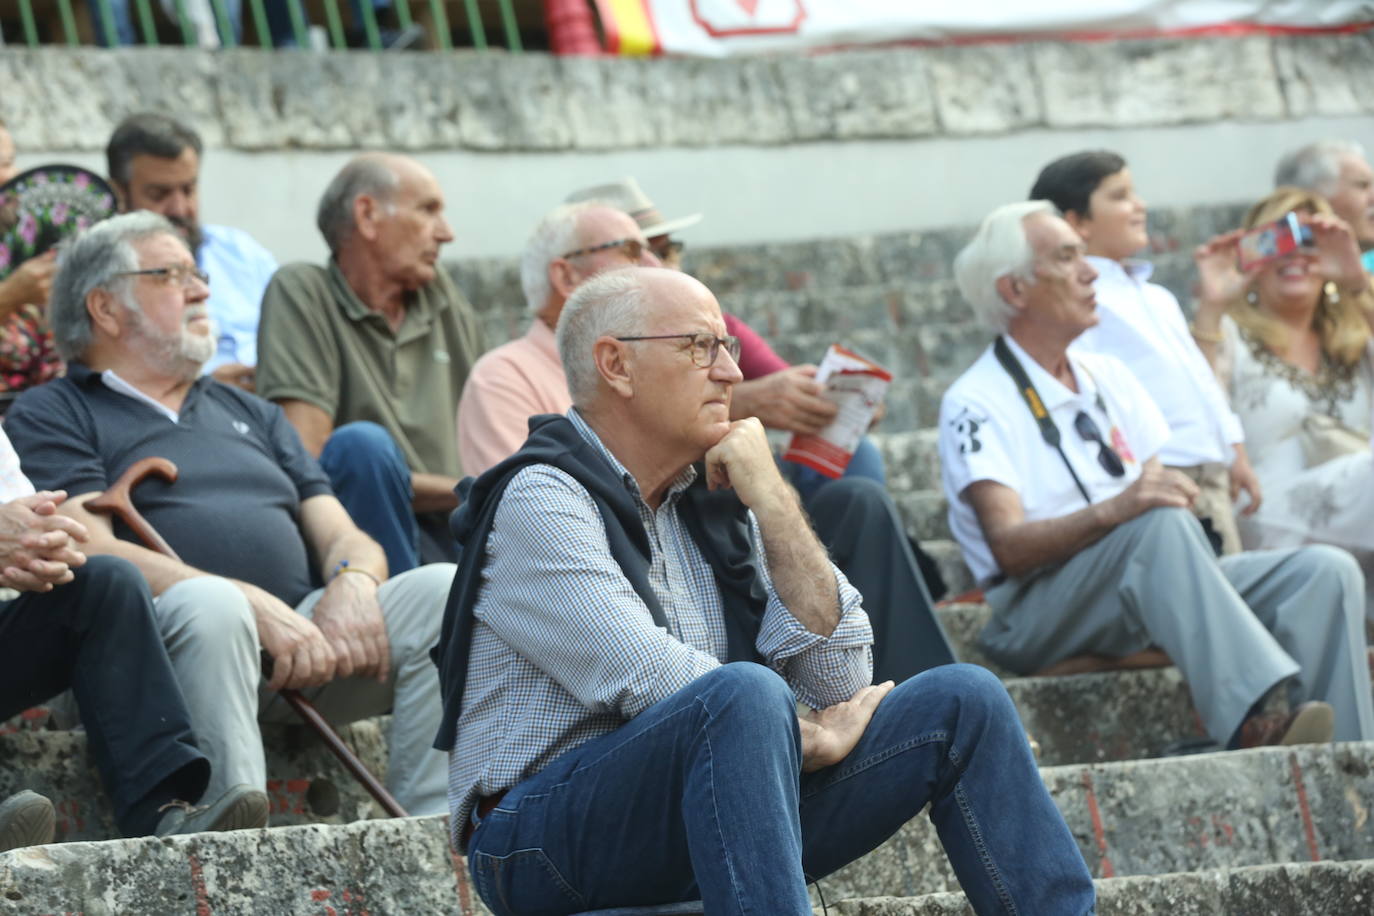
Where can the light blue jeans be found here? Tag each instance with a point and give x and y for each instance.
(702, 796)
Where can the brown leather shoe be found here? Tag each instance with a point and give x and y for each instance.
(1313, 722)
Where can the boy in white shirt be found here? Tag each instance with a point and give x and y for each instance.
(1141, 324)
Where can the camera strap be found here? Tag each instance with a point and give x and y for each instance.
(1048, 431)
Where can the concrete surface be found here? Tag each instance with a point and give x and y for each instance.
(774, 148)
(1198, 814)
(1309, 889)
(1152, 817)
(306, 783)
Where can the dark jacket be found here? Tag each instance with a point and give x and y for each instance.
(718, 523)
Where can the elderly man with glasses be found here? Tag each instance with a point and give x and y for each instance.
(1083, 541)
(268, 557)
(639, 606)
(525, 378)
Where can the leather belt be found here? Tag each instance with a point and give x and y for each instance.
(483, 807)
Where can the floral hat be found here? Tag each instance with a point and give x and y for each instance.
(44, 205)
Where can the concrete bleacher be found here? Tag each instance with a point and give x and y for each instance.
(1276, 830)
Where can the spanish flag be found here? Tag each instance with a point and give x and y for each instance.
(629, 27)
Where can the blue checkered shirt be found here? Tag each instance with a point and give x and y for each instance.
(564, 650)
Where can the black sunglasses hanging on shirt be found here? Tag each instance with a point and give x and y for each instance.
(1083, 424)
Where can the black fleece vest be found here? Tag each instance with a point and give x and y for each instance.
(717, 522)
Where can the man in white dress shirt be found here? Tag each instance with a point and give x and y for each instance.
(1081, 537)
(1141, 324)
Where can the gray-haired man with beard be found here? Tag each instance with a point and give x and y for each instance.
(251, 515)
(154, 164)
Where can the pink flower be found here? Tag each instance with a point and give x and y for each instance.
(28, 227)
(60, 212)
(81, 180)
(40, 178)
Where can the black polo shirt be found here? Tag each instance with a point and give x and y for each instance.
(243, 473)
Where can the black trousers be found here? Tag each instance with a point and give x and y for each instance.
(97, 636)
(856, 521)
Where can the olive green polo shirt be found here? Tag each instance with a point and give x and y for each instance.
(319, 343)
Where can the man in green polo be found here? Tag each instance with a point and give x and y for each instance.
(368, 354)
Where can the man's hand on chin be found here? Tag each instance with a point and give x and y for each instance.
(743, 462)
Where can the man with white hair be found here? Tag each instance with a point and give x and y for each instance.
(251, 516)
(639, 606)
(1339, 171)
(1082, 539)
(368, 354)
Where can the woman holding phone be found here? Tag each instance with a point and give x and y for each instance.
(1290, 338)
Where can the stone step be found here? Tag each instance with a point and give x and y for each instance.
(306, 783)
(1291, 889)
(378, 867)
(1209, 815)
(912, 458)
(1182, 814)
(907, 263)
(1085, 718)
(950, 559)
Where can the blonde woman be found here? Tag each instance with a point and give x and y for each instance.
(1291, 343)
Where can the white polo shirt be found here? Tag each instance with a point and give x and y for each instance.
(988, 433)
(1142, 325)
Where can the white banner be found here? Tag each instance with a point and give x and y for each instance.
(717, 28)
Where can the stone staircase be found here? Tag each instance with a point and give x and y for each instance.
(1279, 830)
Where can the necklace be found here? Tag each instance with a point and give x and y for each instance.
(1327, 388)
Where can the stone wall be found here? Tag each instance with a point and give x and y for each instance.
(769, 149)
(248, 99)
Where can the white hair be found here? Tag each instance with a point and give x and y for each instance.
(93, 260)
(1317, 166)
(613, 303)
(999, 248)
(555, 236)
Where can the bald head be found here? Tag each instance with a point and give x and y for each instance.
(616, 303)
(374, 175)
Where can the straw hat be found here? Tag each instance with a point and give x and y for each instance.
(627, 195)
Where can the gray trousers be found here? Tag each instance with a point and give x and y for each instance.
(212, 641)
(1235, 627)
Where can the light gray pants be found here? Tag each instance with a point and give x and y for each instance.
(213, 644)
(1234, 627)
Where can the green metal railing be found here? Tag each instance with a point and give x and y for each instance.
(60, 20)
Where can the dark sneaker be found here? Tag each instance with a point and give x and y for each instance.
(240, 808)
(1310, 723)
(26, 819)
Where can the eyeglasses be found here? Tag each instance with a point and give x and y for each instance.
(705, 347)
(671, 248)
(1106, 455)
(633, 249)
(176, 275)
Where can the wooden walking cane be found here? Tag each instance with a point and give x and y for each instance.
(118, 500)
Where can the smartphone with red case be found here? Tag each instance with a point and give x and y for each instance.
(1273, 240)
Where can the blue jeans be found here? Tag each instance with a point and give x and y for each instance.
(372, 480)
(702, 795)
(867, 462)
